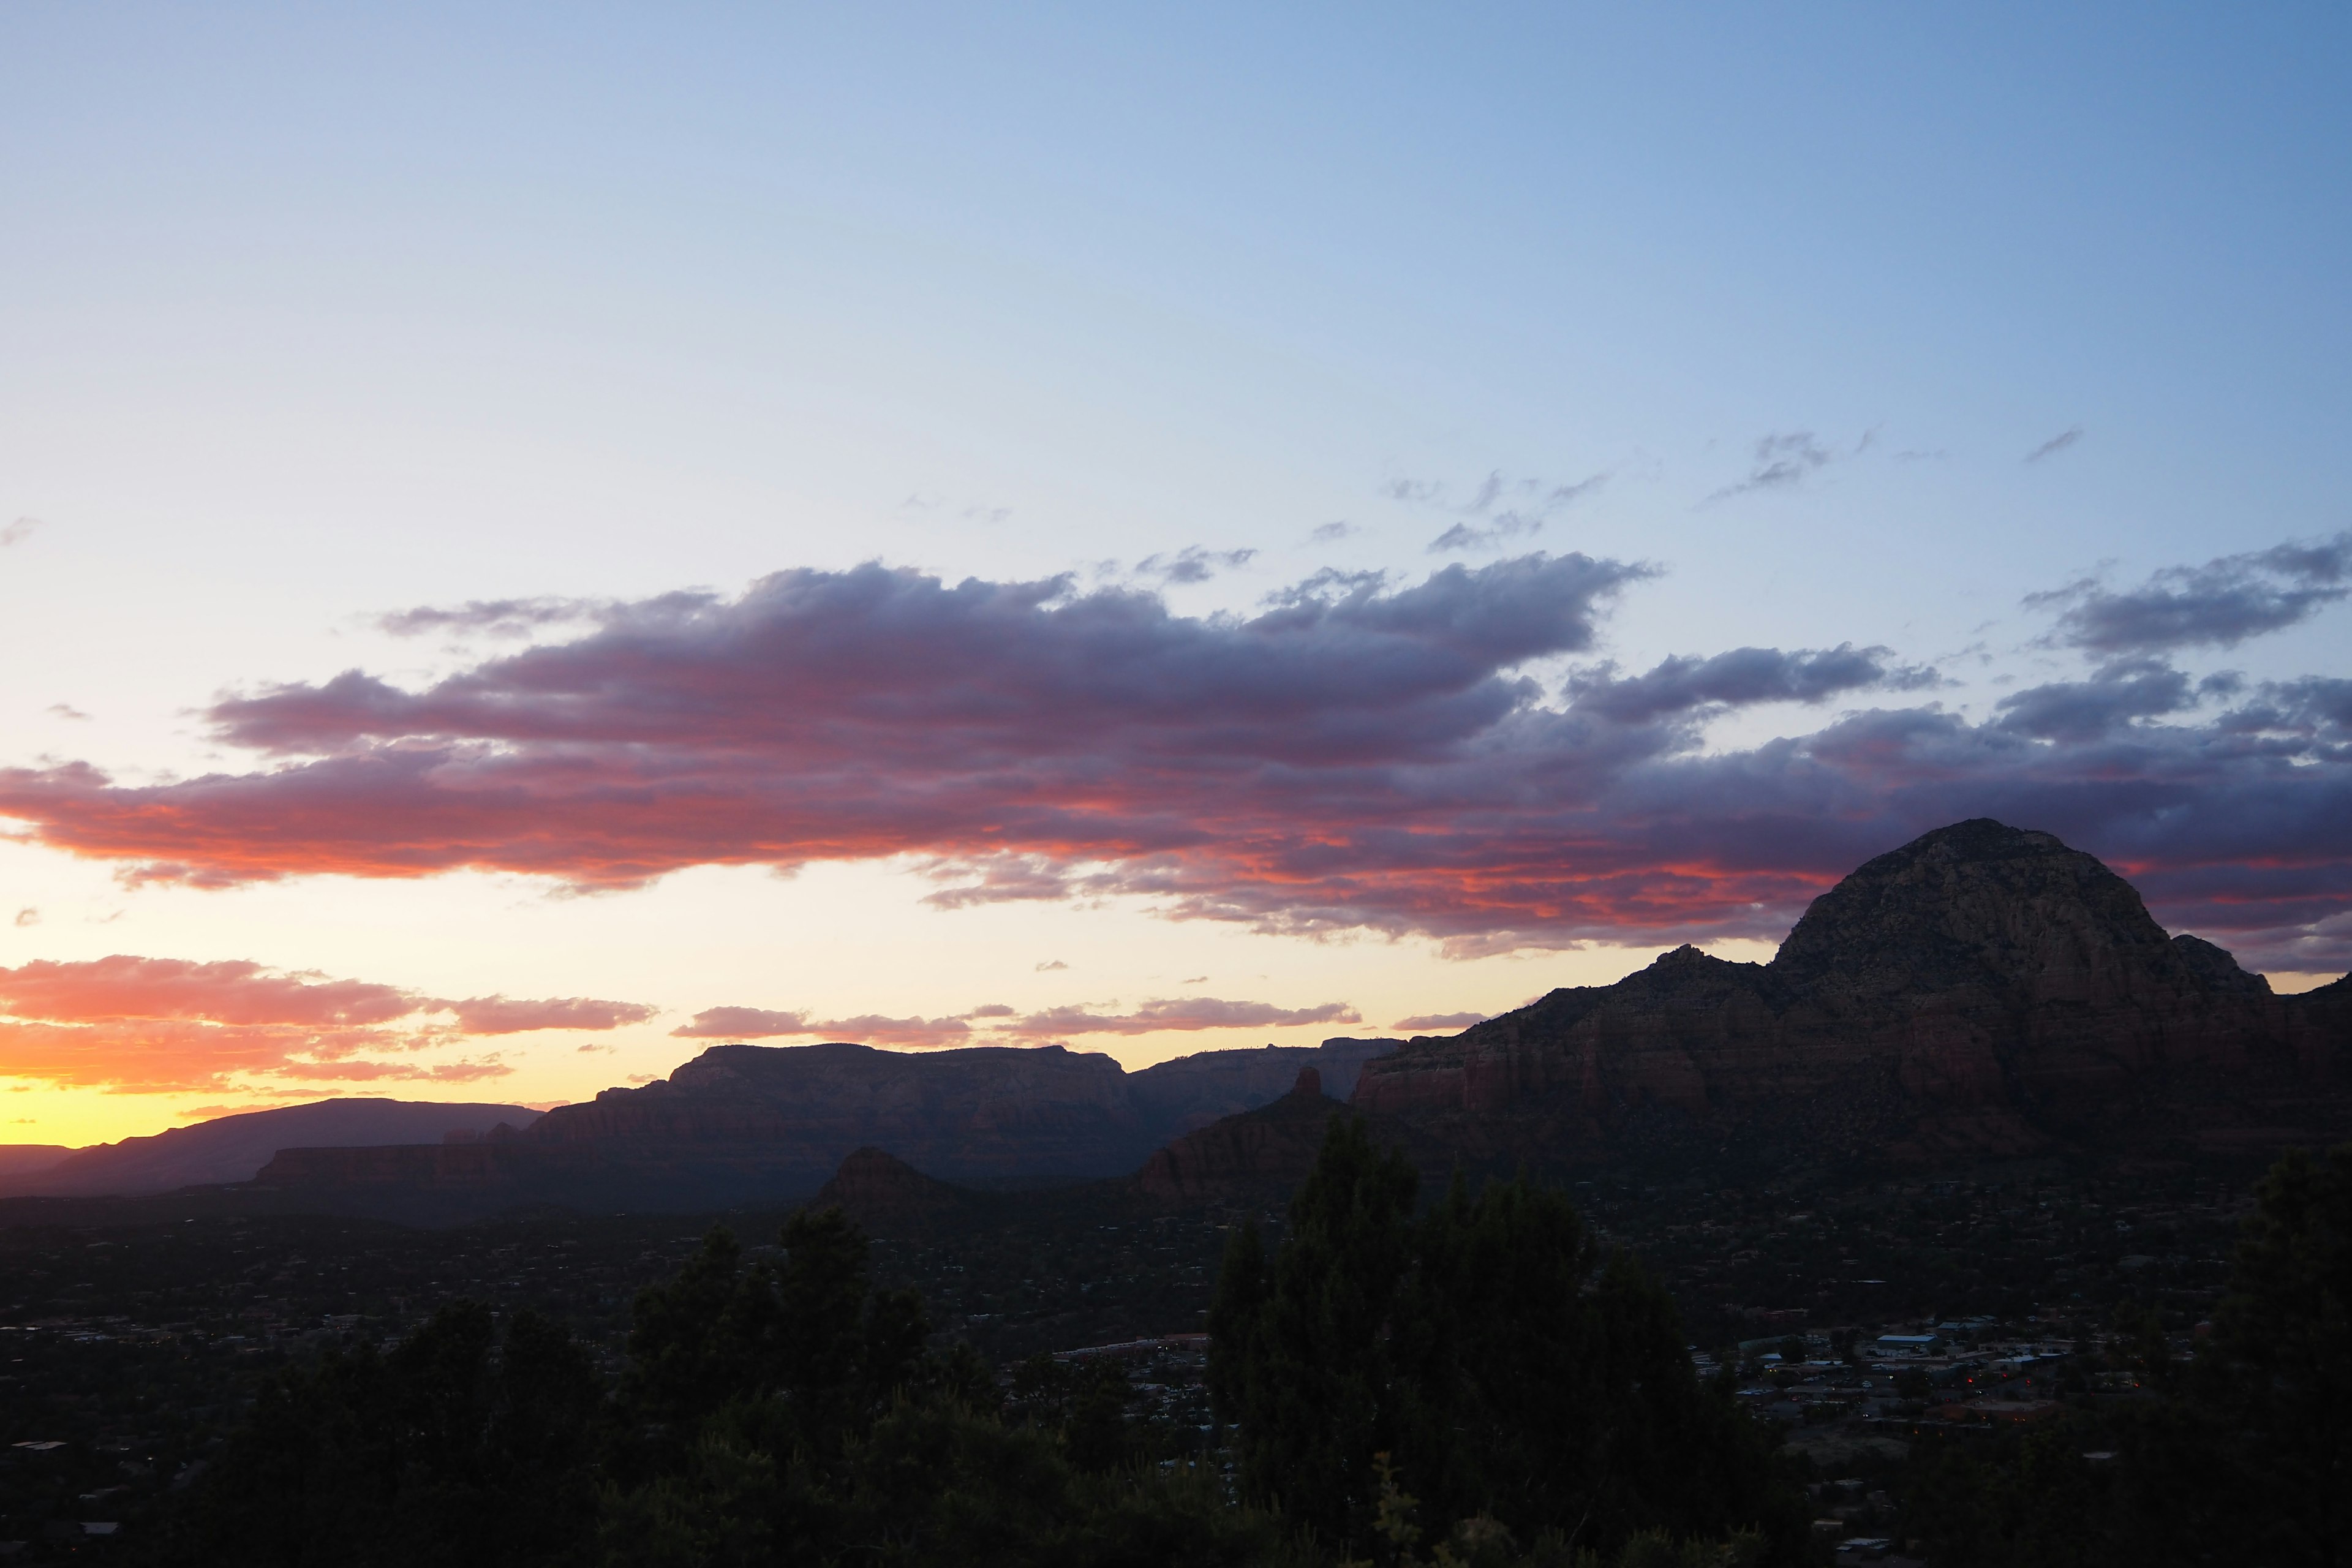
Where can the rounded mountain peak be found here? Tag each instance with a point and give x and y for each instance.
(1977, 902)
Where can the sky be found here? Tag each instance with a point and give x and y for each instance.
(536, 540)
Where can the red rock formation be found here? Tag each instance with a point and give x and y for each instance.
(1983, 991)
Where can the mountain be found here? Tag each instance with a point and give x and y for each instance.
(233, 1148)
(1260, 1152)
(24, 1159)
(889, 1198)
(770, 1123)
(1983, 992)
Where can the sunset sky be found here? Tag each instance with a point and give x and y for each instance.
(534, 540)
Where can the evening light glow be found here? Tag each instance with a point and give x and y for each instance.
(533, 542)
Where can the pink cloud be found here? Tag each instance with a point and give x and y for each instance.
(870, 1029)
(1189, 1013)
(1182, 1013)
(230, 991)
(515, 1015)
(153, 1025)
(1424, 1022)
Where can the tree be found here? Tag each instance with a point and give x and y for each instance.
(1511, 1369)
(442, 1450)
(1305, 1373)
(2279, 1379)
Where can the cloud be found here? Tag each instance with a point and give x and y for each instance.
(1357, 756)
(138, 1023)
(2086, 709)
(743, 1024)
(1429, 1021)
(1330, 532)
(2219, 605)
(18, 531)
(28, 916)
(489, 617)
(760, 1023)
(2056, 445)
(1740, 678)
(1181, 1012)
(232, 990)
(67, 710)
(1508, 526)
(511, 1015)
(1194, 563)
(1051, 963)
(1530, 502)
(1003, 1023)
(1781, 462)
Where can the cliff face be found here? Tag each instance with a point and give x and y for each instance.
(985, 1113)
(1981, 991)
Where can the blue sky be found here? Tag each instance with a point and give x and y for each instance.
(309, 317)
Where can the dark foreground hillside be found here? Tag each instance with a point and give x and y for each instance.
(143, 1354)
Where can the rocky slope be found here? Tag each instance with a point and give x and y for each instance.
(1983, 992)
(1265, 1150)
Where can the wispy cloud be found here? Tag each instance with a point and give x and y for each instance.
(1781, 461)
(489, 617)
(2056, 445)
(1194, 563)
(1498, 510)
(18, 531)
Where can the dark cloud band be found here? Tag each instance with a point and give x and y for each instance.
(1355, 756)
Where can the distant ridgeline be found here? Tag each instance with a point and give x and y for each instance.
(1982, 993)
(751, 1123)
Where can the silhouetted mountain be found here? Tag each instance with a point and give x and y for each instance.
(1983, 991)
(24, 1159)
(765, 1124)
(232, 1148)
(1263, 1152)
(889, 1198)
